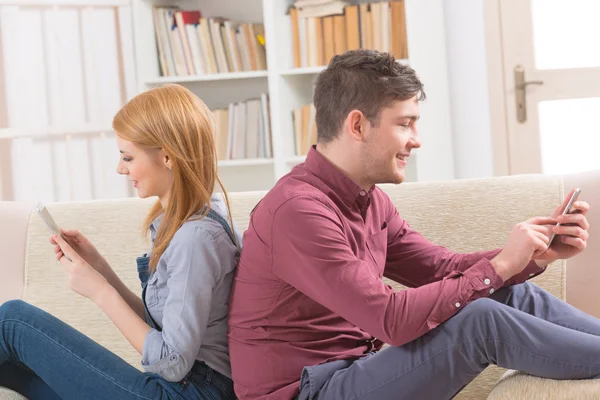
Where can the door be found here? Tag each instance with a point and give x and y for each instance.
(551, 67)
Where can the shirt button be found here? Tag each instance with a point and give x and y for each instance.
(173, 357)
(363, 193)
(457, 304)
(532, 274)
(486, 281)
(491, 290)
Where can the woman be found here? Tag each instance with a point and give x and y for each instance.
(165, 137)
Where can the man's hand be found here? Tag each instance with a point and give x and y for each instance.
(527, 241)
(571, 237)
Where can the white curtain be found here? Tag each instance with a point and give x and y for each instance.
(66, 70)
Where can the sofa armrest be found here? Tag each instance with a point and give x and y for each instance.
(14, 220)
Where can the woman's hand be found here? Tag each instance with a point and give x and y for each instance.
(83, 279)
(82, 246)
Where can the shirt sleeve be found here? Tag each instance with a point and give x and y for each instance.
(311, 253)
(413, 261)
(194, 264)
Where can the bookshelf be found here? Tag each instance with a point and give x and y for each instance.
(289, 88)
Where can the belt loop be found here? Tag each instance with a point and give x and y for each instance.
(209, 374)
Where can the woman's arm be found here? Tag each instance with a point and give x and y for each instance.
(86, 250)
(89, 282)
(130, 323)
(133, 300)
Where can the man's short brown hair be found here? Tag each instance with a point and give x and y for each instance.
(364, 80)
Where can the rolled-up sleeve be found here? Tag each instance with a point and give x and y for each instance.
(194, 265)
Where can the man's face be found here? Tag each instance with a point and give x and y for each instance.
(389, 143)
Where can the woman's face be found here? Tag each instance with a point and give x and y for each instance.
(148, 170)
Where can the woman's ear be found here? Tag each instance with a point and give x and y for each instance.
(166, 160)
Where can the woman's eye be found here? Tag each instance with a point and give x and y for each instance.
(126, 159)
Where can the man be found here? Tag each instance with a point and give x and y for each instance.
(309, 310)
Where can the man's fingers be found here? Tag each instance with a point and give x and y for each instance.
(574, 231)
(560, 209)
(542, 221)
(543, 238)
(582, 207)
(540, 243)
(576, 242)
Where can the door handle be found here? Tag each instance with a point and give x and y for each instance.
(520, 92)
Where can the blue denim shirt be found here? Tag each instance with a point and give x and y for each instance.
(187, 297)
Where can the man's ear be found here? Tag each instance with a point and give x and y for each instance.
(356, 123)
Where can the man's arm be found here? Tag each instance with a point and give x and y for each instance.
(311, 253)
(413, 261)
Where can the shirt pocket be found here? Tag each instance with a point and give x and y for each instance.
(377, 246)
(152, 290)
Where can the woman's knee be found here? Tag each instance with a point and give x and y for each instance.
(13, 309)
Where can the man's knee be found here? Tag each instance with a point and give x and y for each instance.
(482, 309)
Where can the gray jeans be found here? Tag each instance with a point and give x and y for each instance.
(521, 327)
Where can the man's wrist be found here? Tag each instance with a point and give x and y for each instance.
(502, 268)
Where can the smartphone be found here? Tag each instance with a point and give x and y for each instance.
(49, 221)
(567, 210)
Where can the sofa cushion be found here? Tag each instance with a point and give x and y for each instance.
(520, 386)
(6, 394)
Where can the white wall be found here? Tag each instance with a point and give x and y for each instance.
(469, 96)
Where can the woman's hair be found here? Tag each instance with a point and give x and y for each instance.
(175, 120)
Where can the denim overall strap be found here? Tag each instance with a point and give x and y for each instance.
(215, 216)
(143, 263)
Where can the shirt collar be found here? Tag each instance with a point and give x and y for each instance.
(348, 190)
(154, 226)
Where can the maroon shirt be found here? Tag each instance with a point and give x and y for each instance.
(308, 287)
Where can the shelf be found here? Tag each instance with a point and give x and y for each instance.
(302, 71)
(208, 77)
(316, 70)
(245, 162)
(54, 133)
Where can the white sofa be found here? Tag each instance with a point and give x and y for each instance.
(464, 215)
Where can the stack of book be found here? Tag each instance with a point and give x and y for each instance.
(305, 129)
(189, 44)
(243, 130)
(324, 28)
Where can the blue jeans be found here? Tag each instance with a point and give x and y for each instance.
(41, 357)
(521, 327)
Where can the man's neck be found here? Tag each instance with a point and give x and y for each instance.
(346, 162)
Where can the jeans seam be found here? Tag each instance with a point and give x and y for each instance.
(220, 386)
(206, 392)
(99, 372)
(180, 394)
(486, 338)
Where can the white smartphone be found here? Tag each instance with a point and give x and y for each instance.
(49, 221)
(567, 210)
